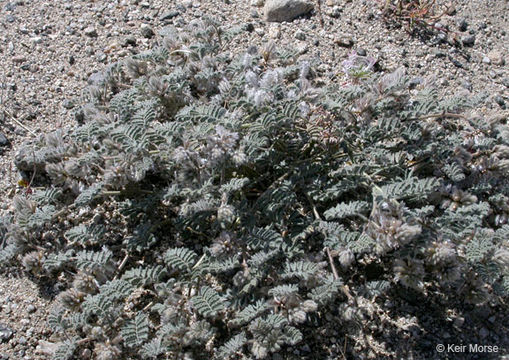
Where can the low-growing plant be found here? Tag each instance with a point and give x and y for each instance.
(418, 15)
(221, 206)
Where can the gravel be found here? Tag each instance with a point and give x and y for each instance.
(50, 50)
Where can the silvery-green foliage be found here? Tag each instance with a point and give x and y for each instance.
(219, 205)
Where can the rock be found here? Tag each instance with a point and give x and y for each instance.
(130, 41)
(5, 333)
(10, 19)
(300, 35)
(168, 15)
(249, 27)
(496, 57)
(466, 85)
(22, 340)
(285, 10)
(90, 31)
(361, 52)
(505, 81)
(101, 57)
(36, 40)
(146, 31)
(486, 60)
(468, 40)
(18, 59)
(335, 12)
(257, 3)
(31, 309)
(67, 104)
(3, 140)
(96, 78)
(72, 60)
(344, 41)
(500, 101)
(462, 24)
(459, 321)
(483, 333)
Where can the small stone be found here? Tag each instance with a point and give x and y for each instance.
(361, 52)
(466, 85)
(468, 40)
(459, 321)
(101, 57)
(483, 333)
(146, 31)
(68, 104)
(257, 3)
(344, 41)
(168, 15)
(335, 12)
(36, 39)
(72, 60)
(302, 48)
(505, 81)
(305, 348)
(249, 27)
(90, 31)
(496, 57)
(274, 32)
(130, 41)
(286, 10)
(22, 340)
(260, 31)
(10, 18)
(3, 140)
(19, 59)
(300, 35)
(500, 101)
(31, 309)
(5, 333)
(462, 24)
(456, 62)
(486, 60)
(96, 78)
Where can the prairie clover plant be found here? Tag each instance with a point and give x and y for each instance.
(220, 206)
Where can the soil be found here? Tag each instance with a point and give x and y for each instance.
(49, 50)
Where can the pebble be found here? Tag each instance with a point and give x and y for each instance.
(361, 52)
(72, 60)
(468, 40)
(19, 59)
(169, 15)
(462, 24)
(486, 60)
(286, 10)
(5, 333)
(67, 104)
(344, 41)
(36, 40)
(500, 101)
(300, 35)
(146, 31)
(466, 85)
(31, 309)
(22, 340)
(496, 57)
(505, 81)
(90, 31)
(130, 41)
(10, 18)
(3, 140)
(483, 333)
